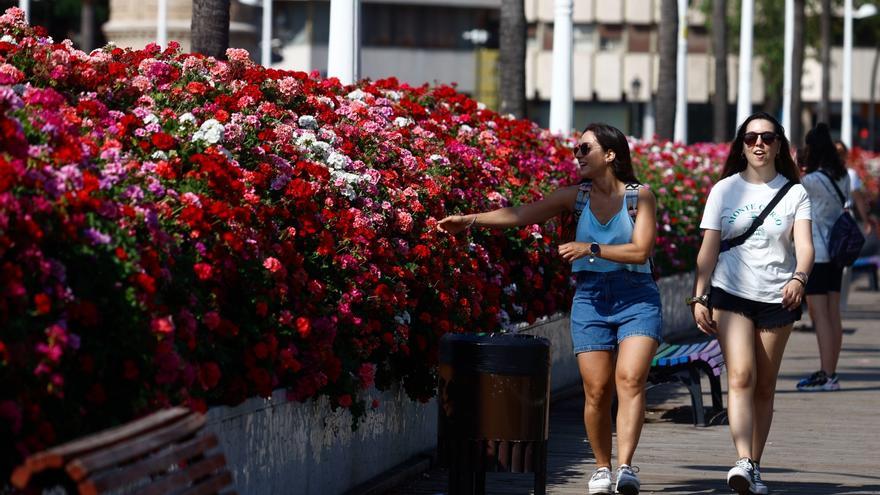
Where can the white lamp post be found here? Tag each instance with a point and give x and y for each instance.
(866, 10)
(266, 31)
(25, 5)
(343, 49)
(786, 69)
(562, 99)
(744, 93)
(681, 123)
(162, 24)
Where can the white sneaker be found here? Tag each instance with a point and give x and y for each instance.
(600, 482)
(760, 487)
(627, 481)
(740, 478)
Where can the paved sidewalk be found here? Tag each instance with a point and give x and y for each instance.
(821, 443)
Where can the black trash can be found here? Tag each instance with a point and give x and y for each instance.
(494, 399)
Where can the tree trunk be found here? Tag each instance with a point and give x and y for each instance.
(87, 26)
(666, 79)
(210, 27)
(719, 48)
(512, 58)
(825, 61)
(796, 132)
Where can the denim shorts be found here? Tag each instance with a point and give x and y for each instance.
(611, 306)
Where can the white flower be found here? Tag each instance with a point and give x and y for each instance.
(402, 318)
(8, 39)
(481, 105)
(187, 118)
(393, 95)
(211, 132)
(402, 121)
(320, 149)
(159, 155)
(510, 289)
(337, 160)
(150, 119)
(308, 122)
(435, 158)
(356, 95)
(305, 139)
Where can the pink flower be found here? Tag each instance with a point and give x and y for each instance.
(272, 264)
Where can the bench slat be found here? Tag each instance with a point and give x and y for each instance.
(212, 485)
(81, 467)
(113, 479)
(685, 354)
(668, 350)
(57, 456)
(193, 475)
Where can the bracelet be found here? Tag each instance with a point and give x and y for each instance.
(473, 220)
(703, 300)
(801, 276)
(799, 280)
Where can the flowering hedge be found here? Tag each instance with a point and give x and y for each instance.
(174, 228)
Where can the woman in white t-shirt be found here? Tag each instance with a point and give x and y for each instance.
(751, 294)
(822, 165)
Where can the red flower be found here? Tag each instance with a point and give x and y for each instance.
(209, 375)
(43, 303)
(203, 271)
(344, 400)
(163, 141)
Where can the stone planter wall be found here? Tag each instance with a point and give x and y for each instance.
(277, 446)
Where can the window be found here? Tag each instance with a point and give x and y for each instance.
(584, 37)
(610, 37)
(639, 39)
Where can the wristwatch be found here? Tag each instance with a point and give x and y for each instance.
(704, 300)
(594, 251)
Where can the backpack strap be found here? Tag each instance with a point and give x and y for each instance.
(583, 196)
(632, 199)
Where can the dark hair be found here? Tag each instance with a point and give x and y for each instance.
(820, 152)
(838, 142)
(736, 159)
(610, 138)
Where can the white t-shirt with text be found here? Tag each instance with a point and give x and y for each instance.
(760, 267)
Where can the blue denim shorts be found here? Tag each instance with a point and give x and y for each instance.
(609, 307)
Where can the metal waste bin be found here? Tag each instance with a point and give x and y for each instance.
(494, 399)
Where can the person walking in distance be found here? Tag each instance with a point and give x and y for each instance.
(615, 315)
(752, 268)
(824, 172)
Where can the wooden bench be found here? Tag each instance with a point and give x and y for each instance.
(869, 266)
(165, 452)
(683, 363)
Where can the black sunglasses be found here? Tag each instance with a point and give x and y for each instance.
(750, 138)
(583, 148)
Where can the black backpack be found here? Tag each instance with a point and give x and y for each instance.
(846, 239)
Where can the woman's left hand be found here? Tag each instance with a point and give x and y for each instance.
(571, 251)
(792, 295)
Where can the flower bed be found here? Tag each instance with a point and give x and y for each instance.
(175, 228)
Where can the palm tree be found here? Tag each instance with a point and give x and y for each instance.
(666, 83)
(719, 48)
(797, 69)
(825, 60)
(512, 57)
(210, 27)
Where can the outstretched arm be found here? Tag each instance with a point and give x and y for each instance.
(707, 258)
(530, 213)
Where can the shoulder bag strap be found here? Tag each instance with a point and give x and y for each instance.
(632, 199)
(727, 244)
(581, 202)
(839, 193)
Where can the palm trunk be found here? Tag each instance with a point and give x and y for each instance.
(666, 78)
(719, 48)
(825, 61)
(210, 27)
(797, 67)
(512, 57)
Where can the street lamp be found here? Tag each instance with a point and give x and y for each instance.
(866, 10)
(635, 87)
(478, 38)
(266, 31)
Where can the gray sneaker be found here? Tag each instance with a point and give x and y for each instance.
(600, 482)
(627, 481)
(741, 476)
(760, 487)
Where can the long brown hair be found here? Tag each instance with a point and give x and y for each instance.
(820, 152)
(736, 159)
(610, 138)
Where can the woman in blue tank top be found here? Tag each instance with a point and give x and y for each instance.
(615, 315)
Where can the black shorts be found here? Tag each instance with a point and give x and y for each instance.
(824, 278)
(763, 315)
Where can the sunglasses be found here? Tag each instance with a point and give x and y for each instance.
(583, 149)
(768, 138)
